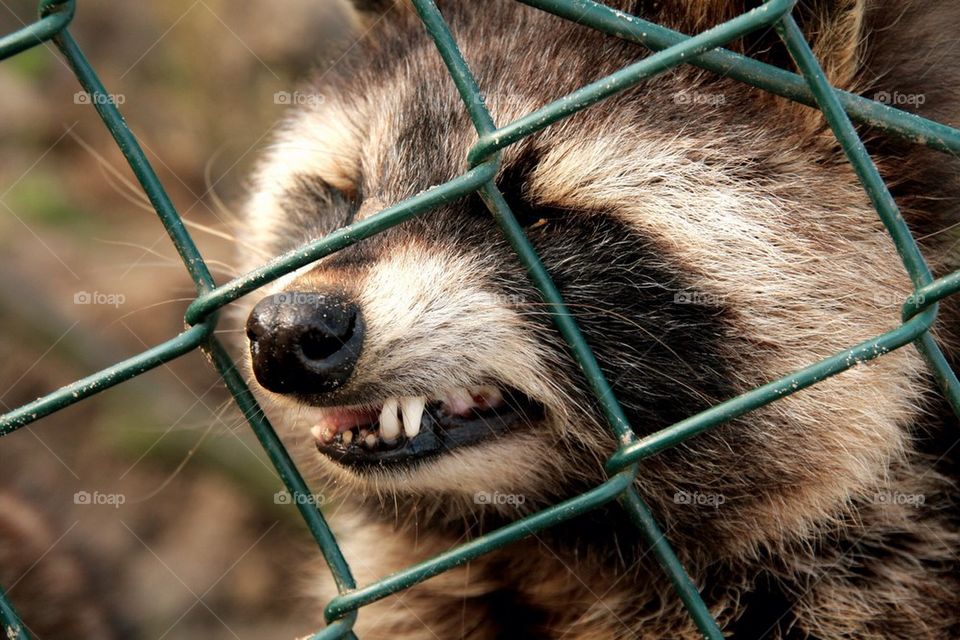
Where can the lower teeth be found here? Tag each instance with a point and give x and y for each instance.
(368, 438)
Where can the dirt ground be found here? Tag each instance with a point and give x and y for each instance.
(157, 485)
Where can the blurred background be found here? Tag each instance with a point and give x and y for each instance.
(151, 502)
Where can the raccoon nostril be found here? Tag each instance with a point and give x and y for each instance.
(320, 345)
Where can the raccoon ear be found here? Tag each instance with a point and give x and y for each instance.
(366, 13)
(378, 8)
(836, 30)
(374, 6)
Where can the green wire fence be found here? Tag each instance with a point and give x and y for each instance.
(670, 48)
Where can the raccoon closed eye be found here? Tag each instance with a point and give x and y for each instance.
(312, 208)
(533, 217)
(529, 216)
(314, 197)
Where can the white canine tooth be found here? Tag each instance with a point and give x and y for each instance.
(389, 420)
(412, 410)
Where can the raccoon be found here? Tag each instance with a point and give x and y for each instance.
(708, 237)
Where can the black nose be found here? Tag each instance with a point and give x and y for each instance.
(304, 342)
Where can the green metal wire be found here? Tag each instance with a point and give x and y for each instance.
(874, 185)
(462, 554)
(39, 32)
(281, 460)
(670, 48)
(683, 51)
(753, 72)
(103, 380)
(736, 407)
(10, 623)
(209, 302)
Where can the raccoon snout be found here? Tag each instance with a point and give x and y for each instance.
(304, 342)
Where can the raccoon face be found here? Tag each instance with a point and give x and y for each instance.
(706, 237)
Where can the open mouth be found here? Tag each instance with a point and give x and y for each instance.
(405, 429)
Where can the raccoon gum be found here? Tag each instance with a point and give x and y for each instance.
(397, 421)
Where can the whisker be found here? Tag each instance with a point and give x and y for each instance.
(134, 194)
(149, 306)
(223, 235)
(211, 191)
(140, 247)
(173, 474)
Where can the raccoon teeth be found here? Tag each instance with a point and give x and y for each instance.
(458, 401)
(461, 401)
(412, 410)
(389, 421)
(397, 417)
(323, 434)
(490, 397)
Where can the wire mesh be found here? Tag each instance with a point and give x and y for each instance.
(670, 49)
